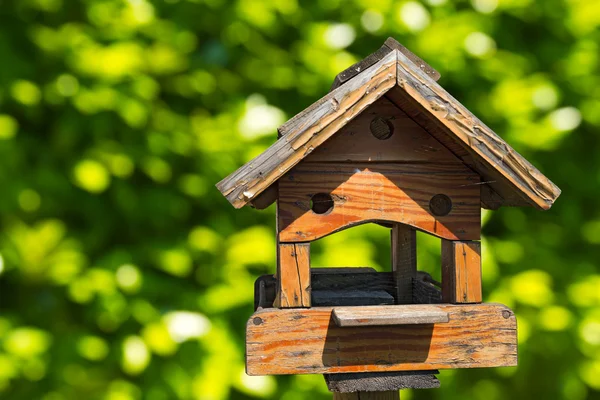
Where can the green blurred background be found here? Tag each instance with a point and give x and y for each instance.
(125, 275)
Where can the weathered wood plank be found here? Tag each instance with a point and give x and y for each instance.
(478, 139)
(351, 297)
(388, 192)
(461, 272)
(389, 45)
(404, 261)
(305, 132)
(389, 395)
(409, 314)
(293, 275)
(381, 381)
(407, 143)
(307, 341)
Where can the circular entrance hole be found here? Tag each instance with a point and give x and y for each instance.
(440, 205)
(321, 203)
(381, 128)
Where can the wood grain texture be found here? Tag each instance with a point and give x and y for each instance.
(410, 314)
(387, 395)
(408, 143)
(480, 140)
(305, 132)
(293, 275)
(389, 45)
(404, 261)
(378, 192)
(461, 272)
(307, 341)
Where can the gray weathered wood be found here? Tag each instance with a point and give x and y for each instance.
(409, 314)
(351, 297)
(426, 293)
(477, 138)
(381, 381)
(303, 133)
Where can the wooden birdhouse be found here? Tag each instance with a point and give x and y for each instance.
(386, 145)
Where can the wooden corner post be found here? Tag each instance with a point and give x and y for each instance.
(404, 261)
(293, 275)
(461, 272)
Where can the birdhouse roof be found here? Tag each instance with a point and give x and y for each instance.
(406, 80)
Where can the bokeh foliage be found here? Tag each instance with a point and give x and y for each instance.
(125, 275)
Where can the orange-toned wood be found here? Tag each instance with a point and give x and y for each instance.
(461, 272)
(378, 192)
(404, 261)
(307, 341)
(408, 141)
(293, 275)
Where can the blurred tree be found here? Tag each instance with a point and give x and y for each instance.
(125, 275)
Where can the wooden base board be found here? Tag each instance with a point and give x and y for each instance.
(307, 341)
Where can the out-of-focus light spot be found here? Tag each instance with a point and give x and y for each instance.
(204, 239)
(129, 278)
(1, 269)
(339, 36)
(486, 389)
(533, 288)
(485, 6)
(26, 342)
(193, 185)
(589, 331)
(26, 92)
(136, 356)
(159, 340)
(8, 127)
(260, 119)
(524, 330)
(93, 348)
(34, 369)
(479, 44)
(184, 325)
(252, 246)
(164, 59)
(141, 11)
(157, 169)
(113, 62)
(260, 386)
(120, 165)
(133, 112)
(414, 16)
(590, 373)
(176, 262)
(555, 318)
(565, 119)
(29, 200)
(67, 85)
(545, 97)
(591, 232)
(92, 176)
(508, 252)
(585, 293)
(203, 82)
(143, 311)
(436, 3)
(371, 20)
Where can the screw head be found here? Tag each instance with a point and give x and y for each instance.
(257, 321)
(506, 314)
(440, 205)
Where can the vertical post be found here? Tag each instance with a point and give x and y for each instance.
(389, 395)
(293, 275)
(461, 272)
(404, 260)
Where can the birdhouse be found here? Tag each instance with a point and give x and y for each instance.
(386, 145)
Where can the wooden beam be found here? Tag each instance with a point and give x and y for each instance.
(412, 314)
(307, 341)
(306, 131)
(366, 192)
(404, 261)
(481, 141)
(461, 272)
(293, 275)
(388, 395)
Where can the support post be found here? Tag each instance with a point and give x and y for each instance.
(461, 272)
(389, 395)
(404, 261)
(293, 275)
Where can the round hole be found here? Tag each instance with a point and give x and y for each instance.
(381, 128)
(440, 205)
(321, 203)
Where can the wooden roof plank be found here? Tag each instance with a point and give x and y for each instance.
(486, 145)
(303, 133)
